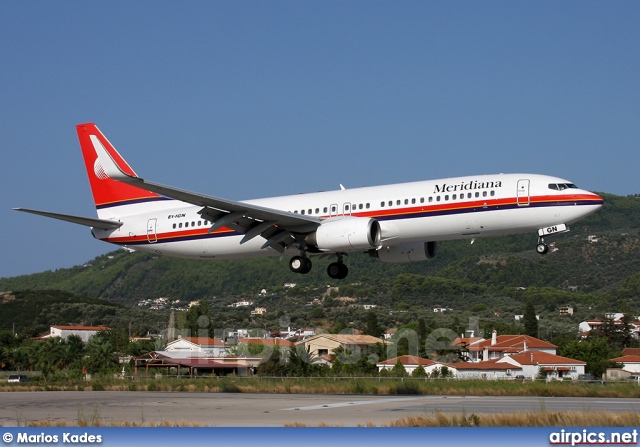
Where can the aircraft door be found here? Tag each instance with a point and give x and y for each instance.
(522, 195)
(346, 209)
(334, 210)
(152, 236)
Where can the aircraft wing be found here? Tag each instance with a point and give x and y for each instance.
(278, 227)
(86, 221)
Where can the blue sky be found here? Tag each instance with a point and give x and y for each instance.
(253, 99)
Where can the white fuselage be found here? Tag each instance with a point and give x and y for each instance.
(434, 210)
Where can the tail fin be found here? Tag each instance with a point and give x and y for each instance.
(109, 194)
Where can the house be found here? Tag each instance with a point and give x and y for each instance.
(389, 333)
(259, 311)
(595, 325)
(525, 363)
(196, 347)
(412, 362)
(486, 370)
(84, 332)
(555, 367)
(630, 363)
(566, 310)
(324, 344)
(245, 303)
(480, 349)
(440, 309)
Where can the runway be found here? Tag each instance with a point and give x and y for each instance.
(269, 410)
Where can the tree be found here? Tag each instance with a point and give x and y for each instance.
(419, 372)
(530, 321)
(595, 351)
(372, 327)
(398, 370)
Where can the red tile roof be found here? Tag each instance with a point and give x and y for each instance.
(539, 357)
(511, 343)
(488, 365)
(627, 359)
(408, 360)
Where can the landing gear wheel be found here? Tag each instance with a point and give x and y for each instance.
(300, 264)
(337, 270)
(542, 248)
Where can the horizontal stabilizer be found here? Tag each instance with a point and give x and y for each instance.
(86, 221)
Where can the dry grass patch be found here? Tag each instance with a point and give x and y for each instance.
(527, 419)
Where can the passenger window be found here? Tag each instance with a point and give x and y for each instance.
(174, 226)
(317, 210)
(180, 225)
(437, 198)
(484, 193)
(381, 204)
(477, 194)
(324, 210)
(193, 224)
(199, 223)
(413, 201)
(446, 197)
(421, 199)
(346, 207)
(493, 193)
(406, 201)
(360, 206)
(333, 209)
(398, 202)
(367, 206)
(301, 211)
(454, 196)
(310, 211)
(390, 202)
(430, 199)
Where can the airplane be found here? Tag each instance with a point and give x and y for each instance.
(394, 223)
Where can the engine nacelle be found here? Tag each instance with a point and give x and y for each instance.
(409, 252)
(346, 233)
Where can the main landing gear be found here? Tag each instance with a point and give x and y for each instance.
(302, 264)
(337, 270)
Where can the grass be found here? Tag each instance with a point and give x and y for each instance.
(330, 385)
(527, 419)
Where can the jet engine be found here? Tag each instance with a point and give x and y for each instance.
(345, 234)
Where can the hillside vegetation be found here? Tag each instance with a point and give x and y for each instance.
(493, 276)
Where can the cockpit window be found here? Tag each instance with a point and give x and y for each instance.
(561, 186)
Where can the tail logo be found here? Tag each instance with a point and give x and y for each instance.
(99, 170)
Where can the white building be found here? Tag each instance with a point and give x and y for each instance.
(84, 332)
(196, 347)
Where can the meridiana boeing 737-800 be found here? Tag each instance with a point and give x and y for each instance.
(395, 223)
